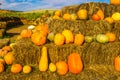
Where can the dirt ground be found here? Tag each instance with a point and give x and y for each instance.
(15, 31)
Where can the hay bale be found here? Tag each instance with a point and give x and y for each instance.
(92, 7)
(4, 42)
(3, 25)
(88, 27)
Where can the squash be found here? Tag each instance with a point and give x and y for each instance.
(66, 16)
(1, 67)
(75, 63)
(102, 38)
(62, 67)
(16, 68)
(43, 63)
(73, 16)
(9, 58)
(38, 38)
(117, 63)
(116, 16)
(56, 17)
(82, 14)
(112, 36)
(79, 39)
(27, 69)
(59, 39)
(69, 38)
(109, 20)
(88, 39)
(51, 36)
(26, 33)
(115, 2)
(52, 67)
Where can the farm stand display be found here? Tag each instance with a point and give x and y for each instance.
(97, 56)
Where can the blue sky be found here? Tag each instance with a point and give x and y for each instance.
(26, 5)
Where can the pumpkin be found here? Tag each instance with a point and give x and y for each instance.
(117, 63)
(26, 33)
(7, 48)
(2, 61)
(9, 58)
(96, 17)
(111, 36)
(73, 16)
(38, 38)
(79, 39)
(27, 69)
(100, 13)
(75, 63)
(1, 68)
(52, 67)
(43, 28)
(58, 13)
(102, 38)
(43, 62)
(82, 14)
(59, 39)
(69, 38)
(116, 16)
(109, 19)
(56, 17)
(88, 39)
(1, 52)
(66, 16)
(62, 67)
(16, 68)
(115, 2)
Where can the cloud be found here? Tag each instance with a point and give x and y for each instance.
(25, 5)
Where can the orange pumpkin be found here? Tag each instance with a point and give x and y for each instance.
(58, 13)
(116, 2)
(59, 39)
(38, 38)
(117, 63)
(8, 48)
(16, 68)
(9, 58)
(111, 36)
(96, 17)
(66, 16)
(79, 39)
(82, 14)
(43, 28)
(62, 67)
(100, 13)
(26, 33)
(75, 63)
(69, 38)
(1, 67)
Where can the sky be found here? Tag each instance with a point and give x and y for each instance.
(26, 5)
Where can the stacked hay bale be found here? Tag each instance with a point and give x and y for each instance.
(2, 28)
(98, 59)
